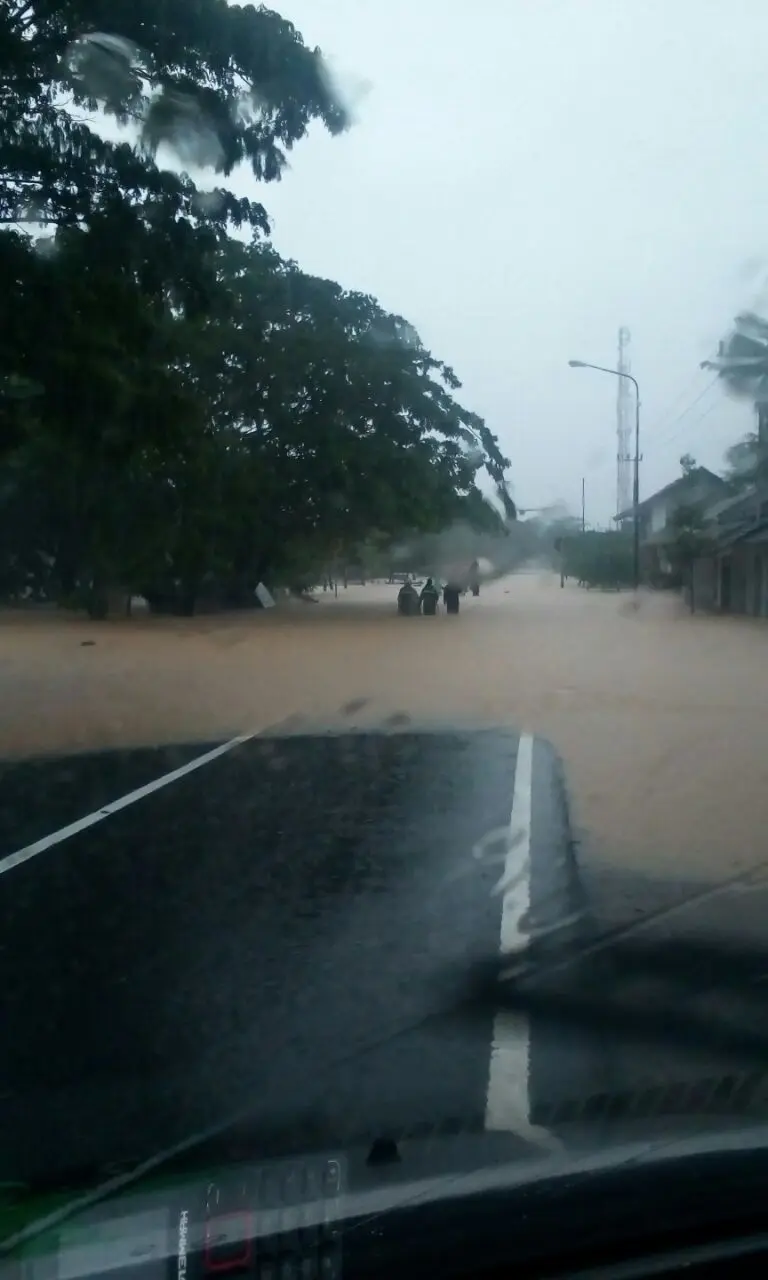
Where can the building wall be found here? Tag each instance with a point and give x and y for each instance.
(661, 510)
(748, 567)
(755, 560)
(658, 515)
(738, 582)
(705, 585)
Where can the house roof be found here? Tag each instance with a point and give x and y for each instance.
(729, 507)
(756, 532)
(748, 532)
(676, 486)
(759, 535)
(661, 538)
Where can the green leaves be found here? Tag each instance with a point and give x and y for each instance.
(598, 558)
(742, 360)
(214, 84)
(182, 412)
(206, 411)
(691, 538)
(742, 460)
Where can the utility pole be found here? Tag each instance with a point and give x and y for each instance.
(583, 521)
(623, 374)
(636, 490)
(623, 423)
(762, 454)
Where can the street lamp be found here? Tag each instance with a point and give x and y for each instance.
(619, 373)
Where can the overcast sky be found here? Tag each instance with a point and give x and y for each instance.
(524, 177)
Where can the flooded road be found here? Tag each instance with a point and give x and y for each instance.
(662, 719)
(247, 902)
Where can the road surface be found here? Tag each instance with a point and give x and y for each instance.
(297, 927)
(661, 718)
(280, 925)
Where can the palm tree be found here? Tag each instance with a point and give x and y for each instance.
(741, 462)
(742, 359)
(742, 366)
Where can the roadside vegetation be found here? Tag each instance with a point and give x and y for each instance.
(599, 559)
(183, 413)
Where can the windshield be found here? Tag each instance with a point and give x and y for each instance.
(383, 582)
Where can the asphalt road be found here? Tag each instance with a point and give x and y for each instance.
(284, 929)
(296, 928)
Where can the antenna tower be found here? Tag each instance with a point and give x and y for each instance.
(623, 427)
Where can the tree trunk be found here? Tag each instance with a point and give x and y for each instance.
(97, 602)
(188, 599)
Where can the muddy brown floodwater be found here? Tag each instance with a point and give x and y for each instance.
(662, 718)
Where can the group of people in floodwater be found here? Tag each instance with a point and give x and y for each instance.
(410, 602)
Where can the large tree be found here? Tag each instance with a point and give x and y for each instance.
(182, 411)
(691, 539)
(219, 84)
(741, 461)
(741, 365)
(742, 359)
(204, 414)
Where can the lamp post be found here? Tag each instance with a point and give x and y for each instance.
(619, 373)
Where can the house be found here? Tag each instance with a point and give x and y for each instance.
(699, 488)
(733, 577)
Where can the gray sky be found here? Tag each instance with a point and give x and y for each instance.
(527, 175)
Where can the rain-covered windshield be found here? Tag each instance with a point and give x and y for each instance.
(383, 575)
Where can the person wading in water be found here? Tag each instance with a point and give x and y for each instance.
(474, 578)
(451, 593)
(407, 599)
(429, 598)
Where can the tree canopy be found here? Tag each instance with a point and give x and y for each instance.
(183, 412)
(741, 461)
(599, 558)
(218, 84)
(742, 359)
(741, 365)
(688, 464)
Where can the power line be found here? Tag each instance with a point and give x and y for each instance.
(684, 413)
(663, 417)
(687, 425)
(668, 424)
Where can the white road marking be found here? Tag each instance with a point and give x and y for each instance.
(508, 1103)
(90, 819)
